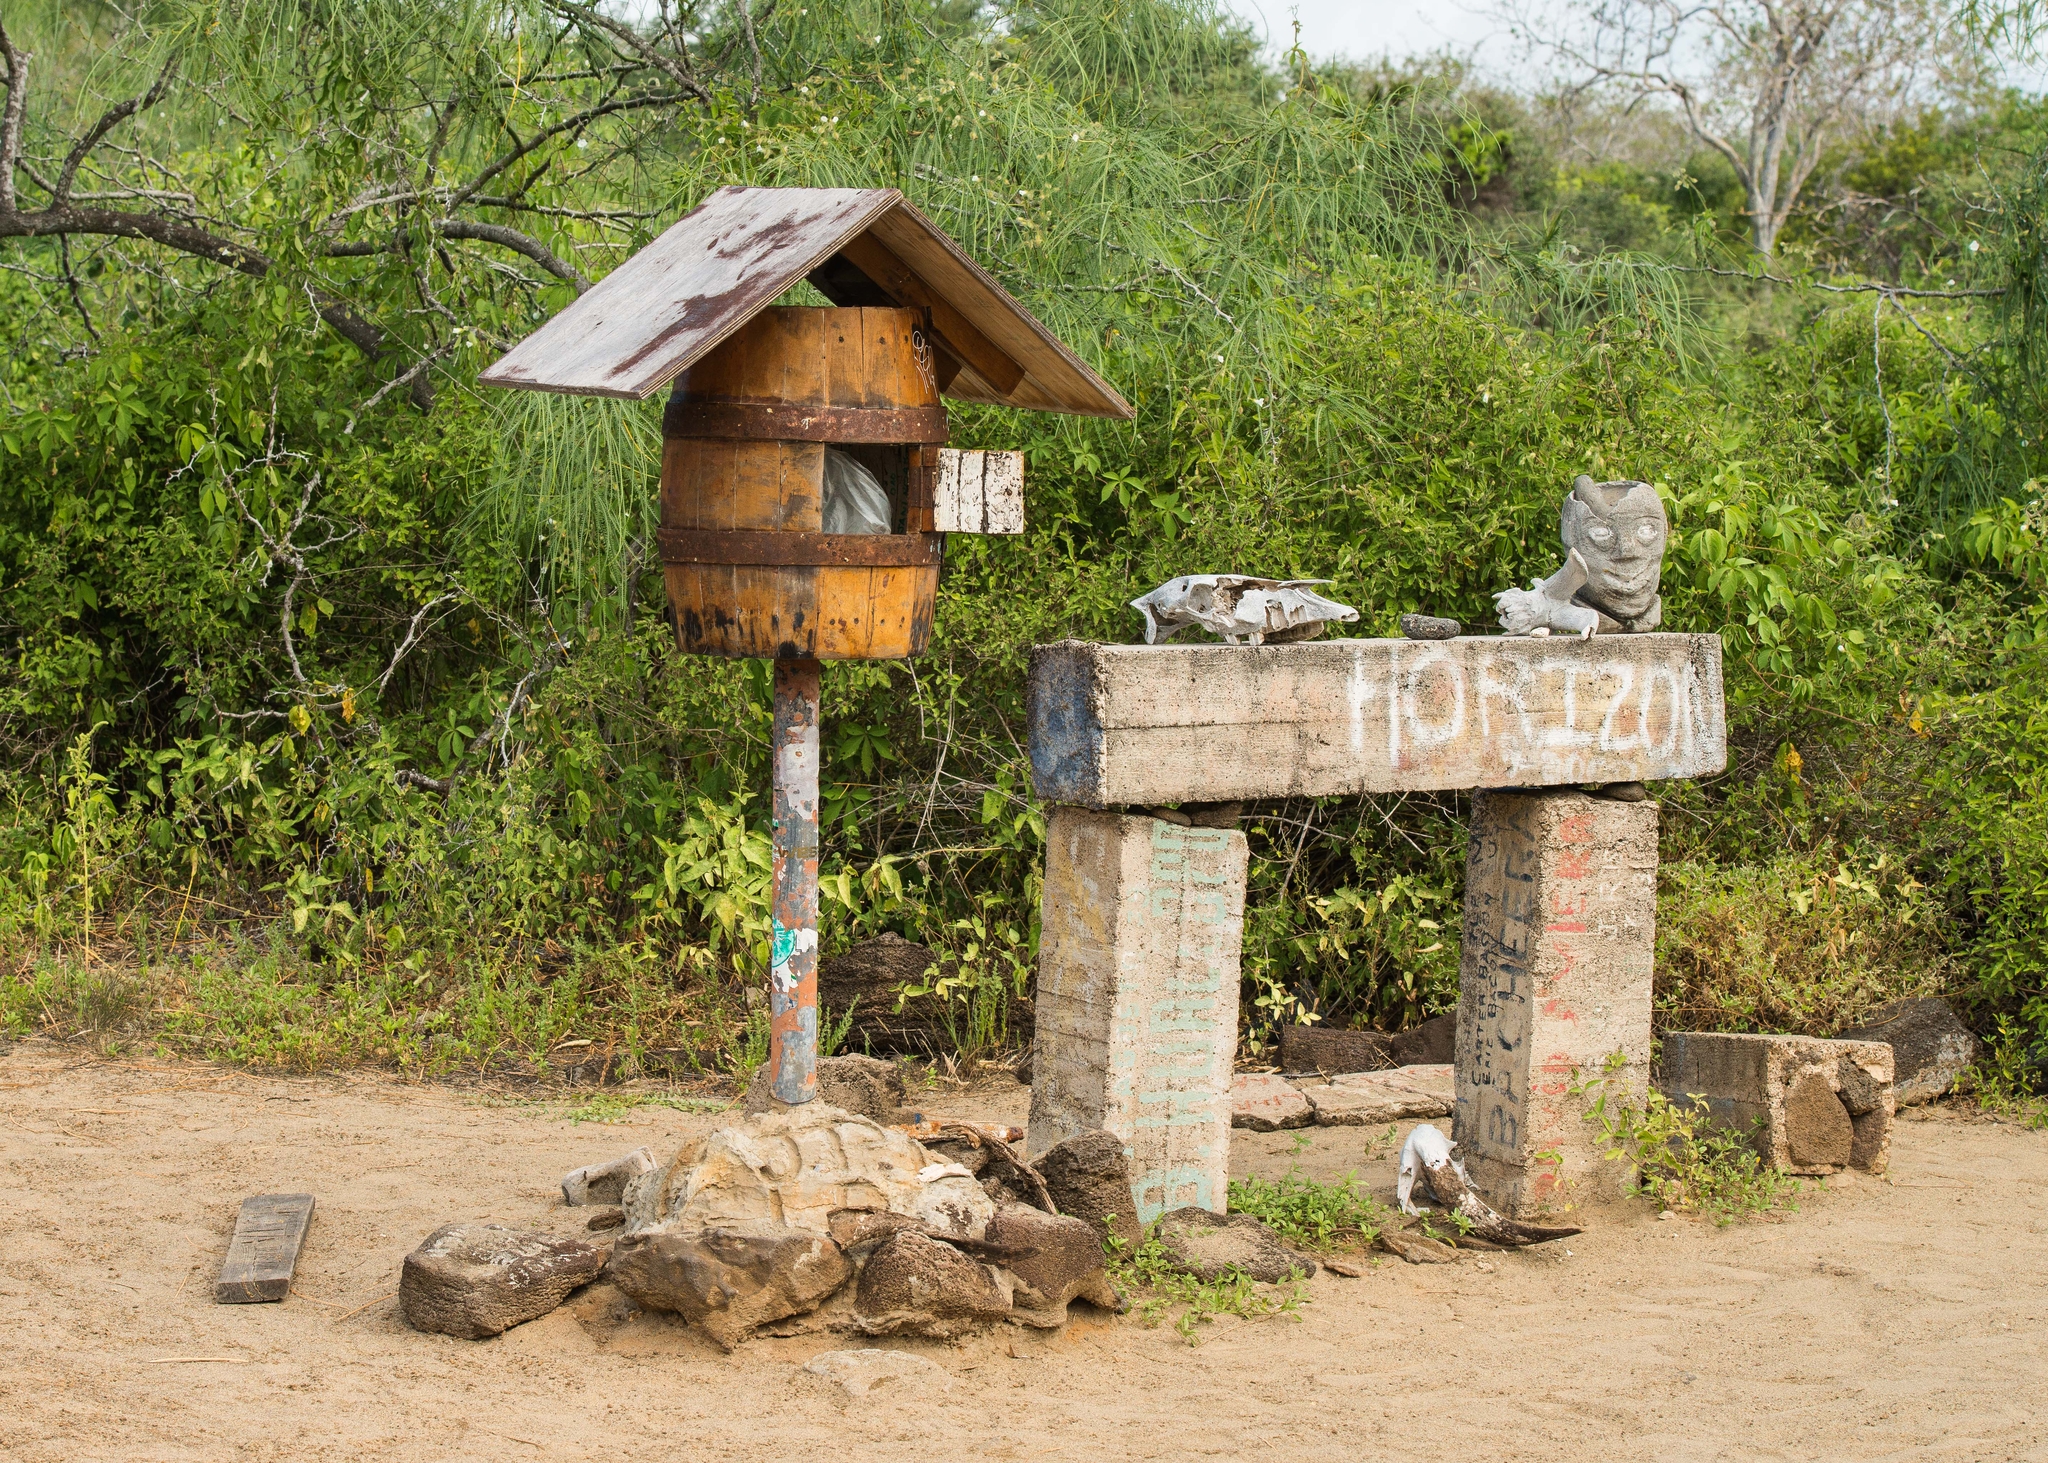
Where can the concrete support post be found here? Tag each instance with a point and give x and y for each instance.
(1560, 923)
(793, 927)
(1143, 921)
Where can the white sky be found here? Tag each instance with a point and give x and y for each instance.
(1365, 30)
(1368, 29)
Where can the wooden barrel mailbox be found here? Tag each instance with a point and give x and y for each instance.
(768, 403)
(751, 571)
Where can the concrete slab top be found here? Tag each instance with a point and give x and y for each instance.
(1115, 725)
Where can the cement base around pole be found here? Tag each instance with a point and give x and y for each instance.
(793, 958)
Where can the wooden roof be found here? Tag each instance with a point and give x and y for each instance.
(672, 303)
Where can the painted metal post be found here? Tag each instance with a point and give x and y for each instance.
(793, 971)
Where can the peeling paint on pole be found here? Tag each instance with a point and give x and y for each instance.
(793, 960)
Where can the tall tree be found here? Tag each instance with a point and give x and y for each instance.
(1770, 85)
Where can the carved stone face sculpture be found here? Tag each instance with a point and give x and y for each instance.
(1619, 530)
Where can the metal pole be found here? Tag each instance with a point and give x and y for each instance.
(793, 970)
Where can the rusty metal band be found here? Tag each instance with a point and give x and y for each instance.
(828, 550)
(757, 421)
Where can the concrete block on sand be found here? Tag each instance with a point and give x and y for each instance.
(1560, 925)
(1122, 725)
(1811, 1106)
(1931, 1047)
(1137, 998)
(605, 1183)
(1265, 1102)
(476, 1280)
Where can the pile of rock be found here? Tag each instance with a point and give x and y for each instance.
(809, 1219)
(1267, 1102)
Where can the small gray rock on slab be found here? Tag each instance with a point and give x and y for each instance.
(476, 1280)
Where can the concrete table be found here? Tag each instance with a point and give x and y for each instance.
(1143, 919)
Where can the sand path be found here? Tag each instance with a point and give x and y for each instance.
(1887, 1320)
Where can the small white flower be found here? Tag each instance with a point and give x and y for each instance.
(1973, 246)
(984, 114)
(1077, 137)
(582, 142)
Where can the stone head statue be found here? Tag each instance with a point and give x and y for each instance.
(1614, 537)
(1619, 531)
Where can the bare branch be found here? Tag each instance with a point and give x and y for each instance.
(109, 120)
(50, 223)
(676, 70)
(455, 228)
(581, 120)
(407, 379)
(11, 116)
(413, 632)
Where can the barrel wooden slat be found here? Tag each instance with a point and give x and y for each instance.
(854, 358)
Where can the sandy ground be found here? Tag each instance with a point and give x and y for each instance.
(1886, 1320)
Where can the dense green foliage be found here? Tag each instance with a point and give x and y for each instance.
(340, 719)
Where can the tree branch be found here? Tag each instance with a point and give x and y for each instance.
(60, 194)
(677, 71)
(58, 221)
(455, 228)
(11, 116)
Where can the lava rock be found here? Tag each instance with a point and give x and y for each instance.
(1089, 1178)
(1055, 1259)
(477, 1280)
(1206, 1245)
(1326, 1049)
(915, 1286)
(1817, 1123)
(730, 1279)
(865, 1085)
(1931, 1047)
(1428, 1045)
